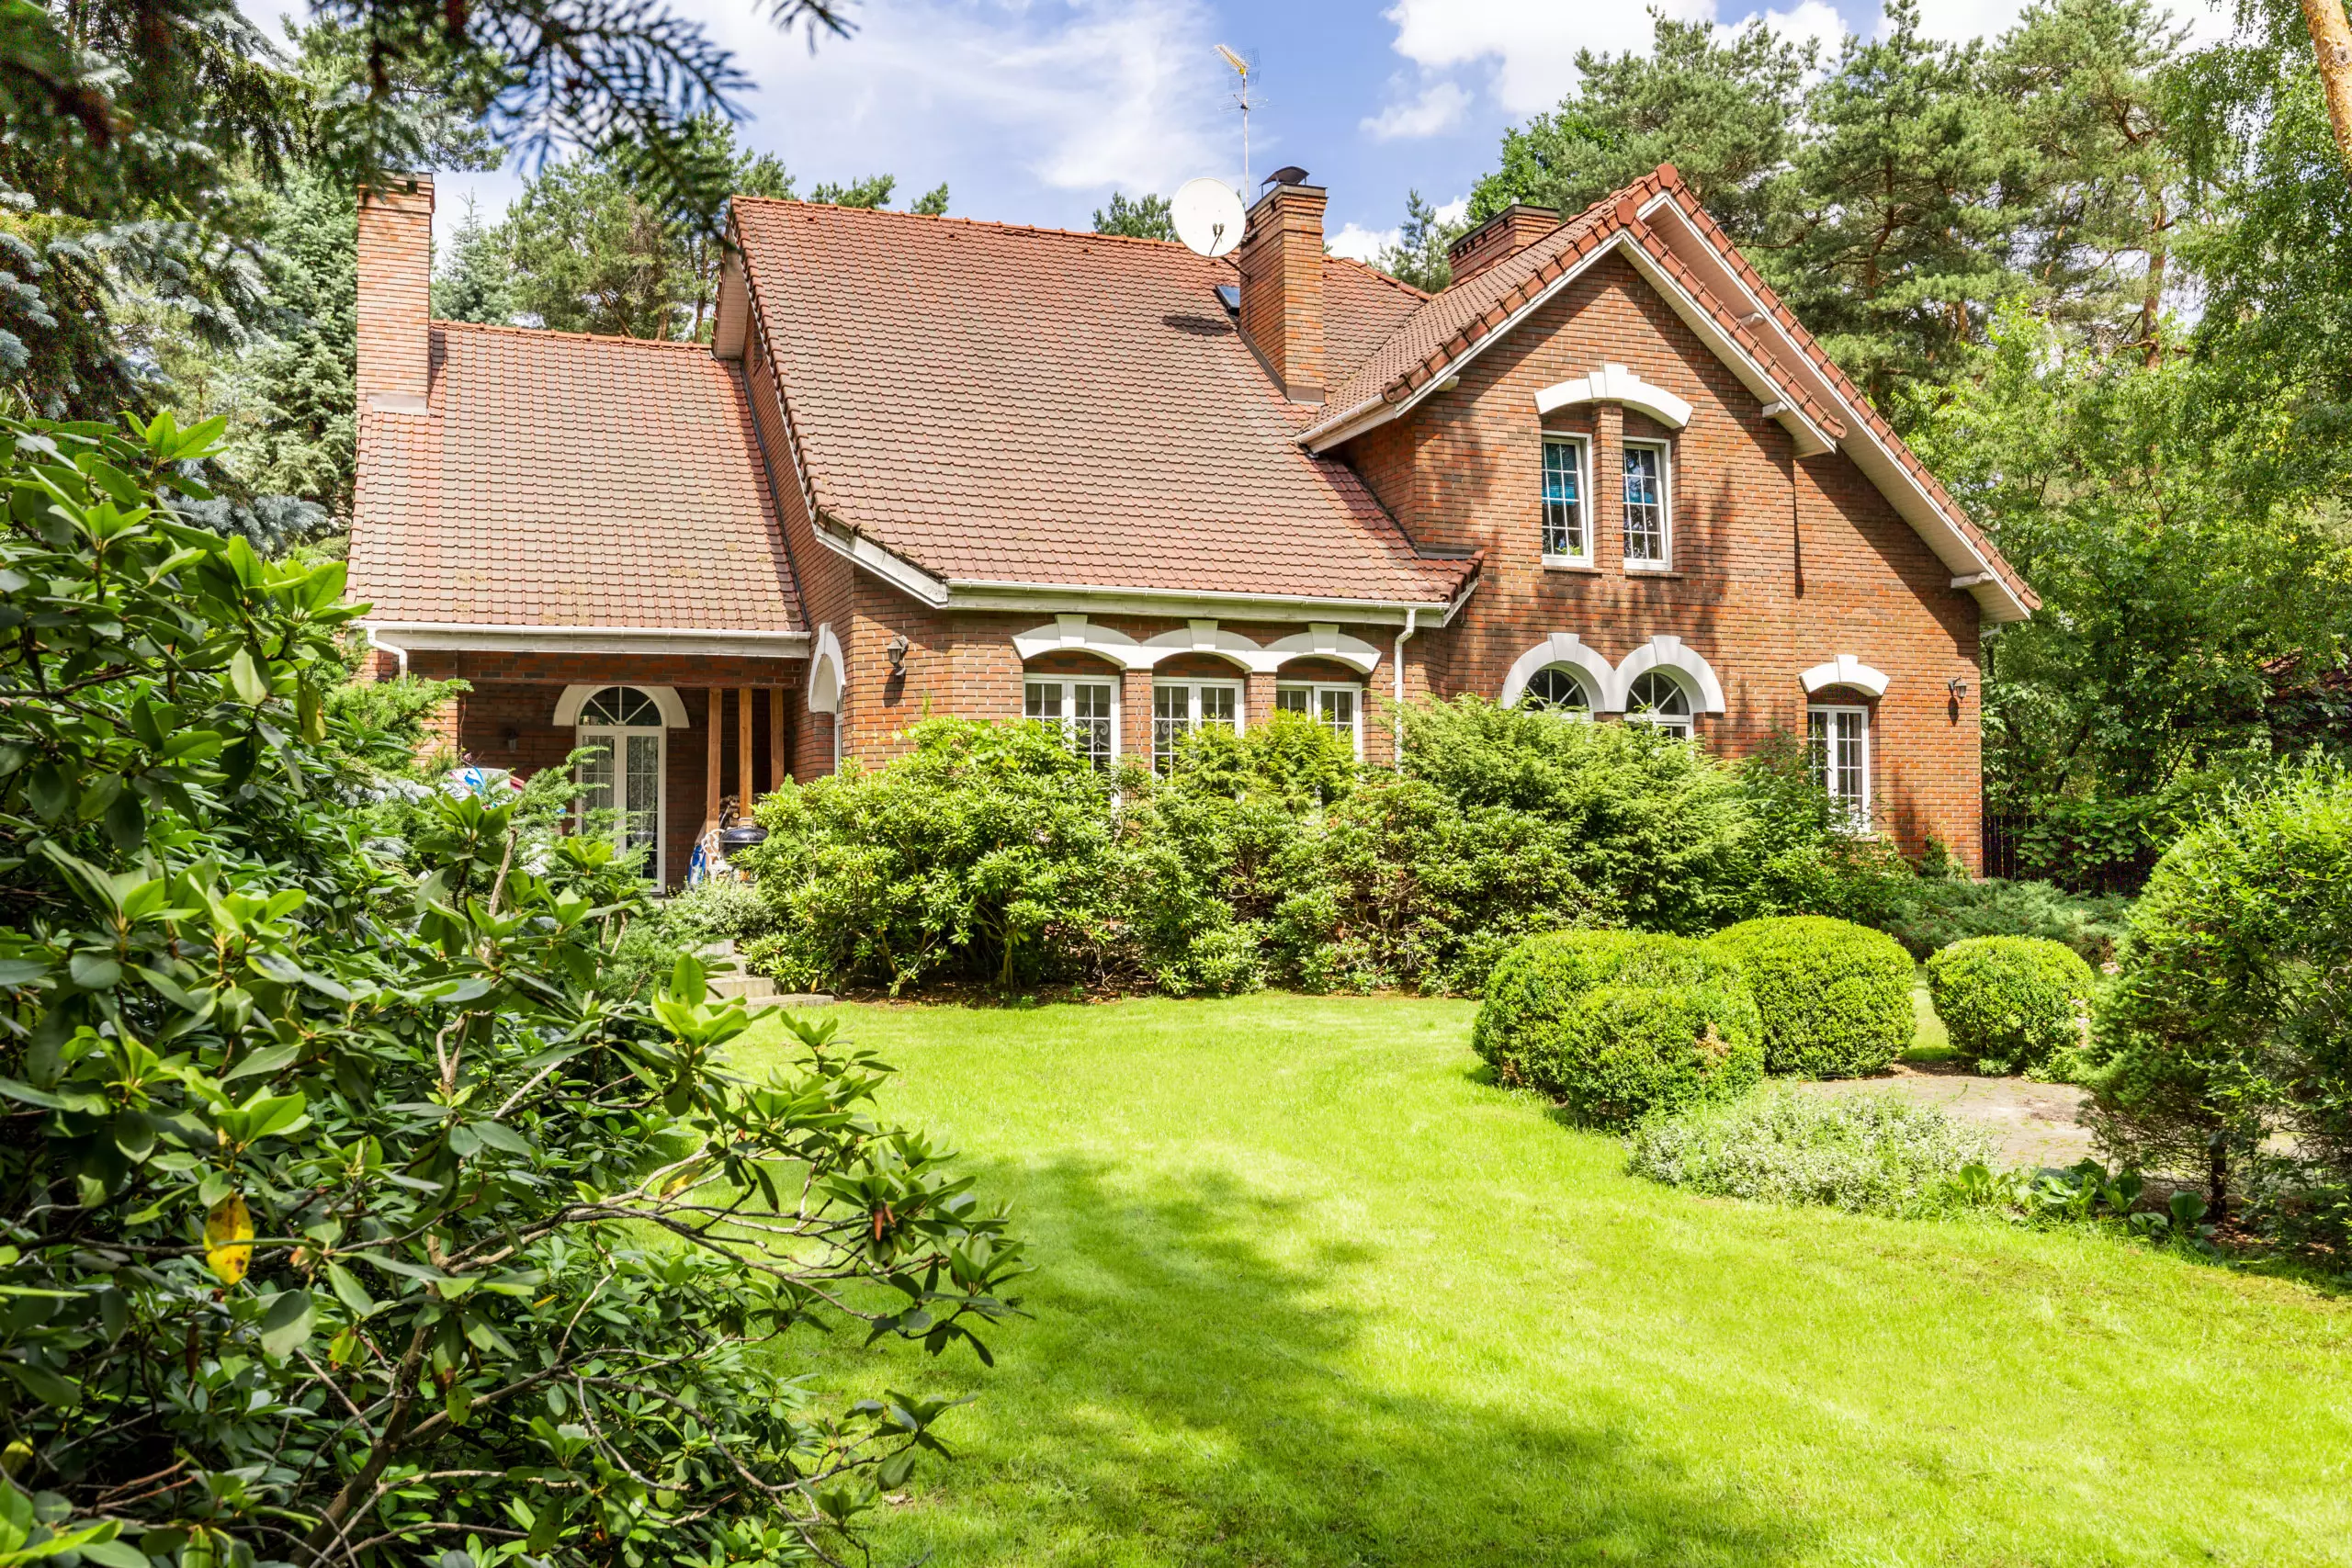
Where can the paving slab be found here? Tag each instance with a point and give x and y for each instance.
(2037, 1124)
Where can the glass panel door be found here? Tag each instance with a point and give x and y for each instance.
(641, 823)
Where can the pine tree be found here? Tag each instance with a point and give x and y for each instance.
(1419, 256)
(475, 282)
(1144, 217)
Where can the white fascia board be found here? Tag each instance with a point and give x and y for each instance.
(461, 636)
(1809, 438)
(1333, 433)
(898, 571)
(1863, 443)
(968, 594)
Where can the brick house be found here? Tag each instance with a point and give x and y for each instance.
(932, 466)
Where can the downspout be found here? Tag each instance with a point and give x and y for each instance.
(380, 645)
(1397, 755)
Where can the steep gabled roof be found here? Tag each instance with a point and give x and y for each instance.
(569, 481)
(1658, 226)
(1008, 406)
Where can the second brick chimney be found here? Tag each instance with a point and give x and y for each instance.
(1280, 264)
(395, 346)
(1504, 235)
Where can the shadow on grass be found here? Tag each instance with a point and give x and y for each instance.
(1181, 1394)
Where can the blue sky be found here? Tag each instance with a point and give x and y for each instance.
(1033, 110)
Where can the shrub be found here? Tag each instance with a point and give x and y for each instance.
(984, 853)
(2011, 1002)
(1618, 1024)
(1836, 998)
(1928, 914)
(1662, 834)
(1399, 885)
(2225, 1023)
(1867, 1153)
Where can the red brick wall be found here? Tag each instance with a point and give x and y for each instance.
(395, 287)
(1779, 563)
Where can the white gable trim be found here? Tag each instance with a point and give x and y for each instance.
(826, 672)
(1845, 671)
(1565, 648)
(1616, 384)
(666, 698)
(1878, 462)
(1692, 674)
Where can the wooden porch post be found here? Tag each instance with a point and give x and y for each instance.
(776, 738)
(743, 753)
(710, 774)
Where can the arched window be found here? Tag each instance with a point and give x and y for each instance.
(1558, 688)
(620, 785)
(1657, 698)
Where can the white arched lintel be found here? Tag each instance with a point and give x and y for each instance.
(1206, 637)
(1692, 674)
(1074, 634)
(826, 672)
(1845, 671)
(1323, 640)
(1566, 648)
(666, 698)
(1616, 384)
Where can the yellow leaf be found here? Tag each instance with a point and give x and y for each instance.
(227, 1230)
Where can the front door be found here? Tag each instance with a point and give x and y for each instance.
(620, 784)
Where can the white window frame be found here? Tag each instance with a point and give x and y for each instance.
(1684, 725)
(1665, 450)
(617, 736)
(1824, 759)
(1582, 446)
(1066, 720)
(1315, 689)
(1193, 688)
(1592, 699)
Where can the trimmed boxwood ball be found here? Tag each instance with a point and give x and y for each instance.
(2011, 1002)
(1617, 1024)
(1836, 997)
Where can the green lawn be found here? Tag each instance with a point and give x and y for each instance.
(1309, 1292)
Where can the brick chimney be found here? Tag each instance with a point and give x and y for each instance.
(1280, 264)
(395, 293)
(1504, 235)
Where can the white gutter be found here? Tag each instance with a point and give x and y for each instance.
(380, 644)
(965, 595)
(1397, 759)
(487, 637)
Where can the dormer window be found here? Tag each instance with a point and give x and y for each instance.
(1567, 538)
(1648, 523)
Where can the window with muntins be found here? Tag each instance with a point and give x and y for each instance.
(620, 779)
(1178, 707)
(1337, 709)
(1564, 536)
(1084, 711)
(1645, 504)
(1657, 699)
(1841, 759)
(1559, 689)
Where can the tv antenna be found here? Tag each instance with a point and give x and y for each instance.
(1241, 67)
(1207, 215)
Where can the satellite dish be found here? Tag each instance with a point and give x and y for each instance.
(1208, 215)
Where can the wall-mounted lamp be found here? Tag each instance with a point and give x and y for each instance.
(897, 652)
(1958, 686)
(509, 737)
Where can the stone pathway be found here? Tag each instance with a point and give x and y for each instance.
(2037, 1124)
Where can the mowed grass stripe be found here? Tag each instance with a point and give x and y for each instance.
(1310, 1293)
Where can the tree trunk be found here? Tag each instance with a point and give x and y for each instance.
(2333, 41)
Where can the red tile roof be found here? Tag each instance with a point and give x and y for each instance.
(563, 479)
(1004, 404)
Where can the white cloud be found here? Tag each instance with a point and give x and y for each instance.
(1453, 211)
(2209, 21)
(1439, 108)
(1079, 95)
(1529, 45)
(1362, 244)
(1813, 20)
